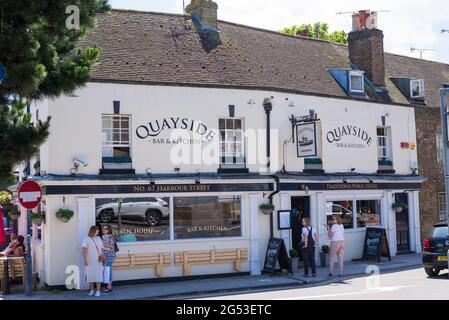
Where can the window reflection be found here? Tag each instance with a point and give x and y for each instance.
(343, 209)
(368, 213)
(205, 217)
(135, 219)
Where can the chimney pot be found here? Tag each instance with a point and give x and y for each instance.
(206, 11)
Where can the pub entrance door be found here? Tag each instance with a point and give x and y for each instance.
(402, 225)
(300, 209)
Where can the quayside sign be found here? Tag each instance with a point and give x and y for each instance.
(349, 136)
(153, 129)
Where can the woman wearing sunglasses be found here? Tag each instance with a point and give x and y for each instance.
(337, 247)
(109, 253)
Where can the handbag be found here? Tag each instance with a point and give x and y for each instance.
(101, 257)
(116, 249)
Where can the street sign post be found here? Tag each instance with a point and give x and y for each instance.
(30, 195)
(444, 93)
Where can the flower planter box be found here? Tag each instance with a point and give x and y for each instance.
(117, 165)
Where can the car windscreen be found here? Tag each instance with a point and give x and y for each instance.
(439, 232)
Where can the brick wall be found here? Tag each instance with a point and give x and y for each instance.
(366, 51)
(427, 124)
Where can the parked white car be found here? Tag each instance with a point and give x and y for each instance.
(151, 210)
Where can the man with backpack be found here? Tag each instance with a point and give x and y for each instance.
(309, 240)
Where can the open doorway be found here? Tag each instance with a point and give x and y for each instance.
(300, 209)
(402, 225)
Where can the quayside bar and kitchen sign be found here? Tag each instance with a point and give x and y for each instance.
(156, 188)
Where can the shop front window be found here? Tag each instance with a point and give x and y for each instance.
(207, 217)
(135, 219)
(342, 209)
(368, 213)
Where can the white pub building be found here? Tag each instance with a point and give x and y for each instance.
(189, 124)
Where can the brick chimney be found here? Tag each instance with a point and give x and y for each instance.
(366, 47)
(206, 11)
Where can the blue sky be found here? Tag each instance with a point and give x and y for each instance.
(408, 23)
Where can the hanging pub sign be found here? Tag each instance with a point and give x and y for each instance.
(306, 144)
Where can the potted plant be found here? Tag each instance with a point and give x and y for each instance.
(266, 208)
(36, 218)
(14, 213)
(399, 206)
(6, 201)
(294, 258)
(64, 215)
(323, 255)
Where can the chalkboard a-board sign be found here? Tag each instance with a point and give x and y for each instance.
(376, 244)
(276, 251)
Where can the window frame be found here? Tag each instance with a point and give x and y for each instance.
(224, 155)
(360, 74)
(112, 144)
(439, 147)
(421, 89)
(441, 196)
(387, 147)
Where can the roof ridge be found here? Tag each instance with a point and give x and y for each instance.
(147, 12)
(418, 59)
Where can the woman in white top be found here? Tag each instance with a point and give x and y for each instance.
(93, 256)
(337, 247)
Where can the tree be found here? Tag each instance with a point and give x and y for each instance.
(37, 42)
(319, 30)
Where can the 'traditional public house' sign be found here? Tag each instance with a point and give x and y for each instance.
(349, 136)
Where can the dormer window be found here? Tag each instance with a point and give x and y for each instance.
(356, 82)
(417, 89)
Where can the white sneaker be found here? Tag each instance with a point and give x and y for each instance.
(91, 293)
(97, 294)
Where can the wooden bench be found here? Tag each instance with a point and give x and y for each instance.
(16, 268)
(187, 258)
(144, 260)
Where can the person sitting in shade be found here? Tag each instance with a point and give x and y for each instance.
(11, 246)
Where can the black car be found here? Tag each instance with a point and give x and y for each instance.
(436, 247)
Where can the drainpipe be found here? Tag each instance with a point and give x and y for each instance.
(268, 106)
(270, 197)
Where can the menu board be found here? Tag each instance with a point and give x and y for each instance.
(276, 251)
(376, 244)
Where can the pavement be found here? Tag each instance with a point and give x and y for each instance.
(185, 288)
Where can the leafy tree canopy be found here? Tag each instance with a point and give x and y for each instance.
(37, 41)
(319, 30)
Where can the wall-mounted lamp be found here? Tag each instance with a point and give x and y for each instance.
(414, 171)
(345, 181)
(177, 170)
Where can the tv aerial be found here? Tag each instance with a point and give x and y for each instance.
(412, 49)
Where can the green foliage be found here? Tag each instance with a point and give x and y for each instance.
(117, 160)
(319, 30)
(64, 214)
(5, 198)
(36, 215)
(37, 51)
(325, 248)
(293, 253)
(399, 205)
(385, 163)
(266, 206)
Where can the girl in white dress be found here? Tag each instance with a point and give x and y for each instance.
(93, 256)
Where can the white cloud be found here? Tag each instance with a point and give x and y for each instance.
(408, 23)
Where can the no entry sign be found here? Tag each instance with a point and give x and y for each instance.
(30, 194)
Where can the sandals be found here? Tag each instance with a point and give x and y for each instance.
(107, 290)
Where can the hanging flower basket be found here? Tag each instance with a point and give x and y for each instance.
(6, 202)
(37, 218)
(64, 215)
(266, 208)
(399, 206)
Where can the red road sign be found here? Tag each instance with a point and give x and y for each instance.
(30, 194)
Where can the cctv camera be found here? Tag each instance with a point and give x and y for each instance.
(77, 162)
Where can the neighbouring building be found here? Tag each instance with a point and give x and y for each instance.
(168, 143)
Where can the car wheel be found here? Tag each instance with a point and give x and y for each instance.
(106, 216)
(432, 272)
(153, 217)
